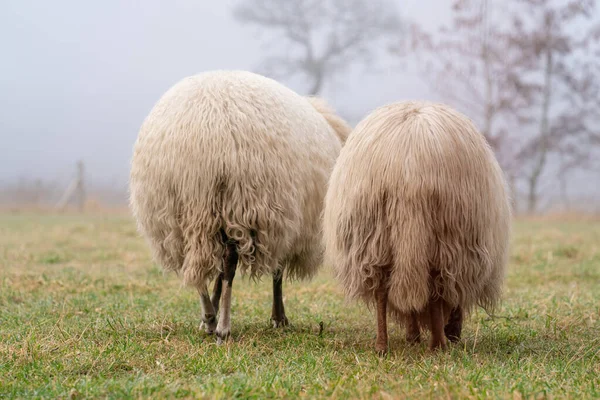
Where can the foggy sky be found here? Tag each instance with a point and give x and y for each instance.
(77, 78)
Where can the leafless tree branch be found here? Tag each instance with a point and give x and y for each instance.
(329, 35)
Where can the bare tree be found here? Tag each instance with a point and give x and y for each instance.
(511, 66)
(563, 102)
(319, 38)
(586, 89)
(473, 66)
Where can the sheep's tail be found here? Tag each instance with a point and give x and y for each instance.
(337, 123)
(410, 281)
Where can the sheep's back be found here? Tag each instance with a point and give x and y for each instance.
(229, 151)
(416, 190)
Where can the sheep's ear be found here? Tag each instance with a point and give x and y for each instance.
(341, 127)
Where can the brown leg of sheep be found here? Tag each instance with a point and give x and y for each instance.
(229, 266)
(436, 315)
(413, 331)
(381, 298)
(278, 313)
(209, 316)
(216, 296)
(453, 328)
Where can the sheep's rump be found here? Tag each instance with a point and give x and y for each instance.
(238, 154)
(416, 192)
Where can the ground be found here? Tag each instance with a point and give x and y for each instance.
(84, 312)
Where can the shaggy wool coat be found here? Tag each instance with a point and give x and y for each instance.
(418, 202)
(237, 153)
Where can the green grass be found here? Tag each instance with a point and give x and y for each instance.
(84, 312)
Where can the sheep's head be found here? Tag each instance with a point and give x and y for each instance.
(337, 123)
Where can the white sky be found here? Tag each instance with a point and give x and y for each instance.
(78, 77)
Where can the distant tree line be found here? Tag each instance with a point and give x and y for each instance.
(526, 71)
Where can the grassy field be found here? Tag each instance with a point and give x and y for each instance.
(85, 313)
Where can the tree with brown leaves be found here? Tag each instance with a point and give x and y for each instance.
(527, 78)
(565, 88)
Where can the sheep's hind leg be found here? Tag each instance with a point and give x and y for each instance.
(413, 331)
(229, 267)
(278, 313)
(453, 328)
(381, 299)
(209, 315)
(436, 315)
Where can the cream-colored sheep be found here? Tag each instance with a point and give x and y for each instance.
(417, 219)
(232, 166)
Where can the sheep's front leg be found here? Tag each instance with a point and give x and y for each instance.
(381, 298)
(436, 315)
(453, 328)
(278, 313)
(209, 315)
(229, 267)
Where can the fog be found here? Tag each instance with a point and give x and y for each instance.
(77, 78)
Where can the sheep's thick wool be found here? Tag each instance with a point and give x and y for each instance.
(237, 153)
(418, 202)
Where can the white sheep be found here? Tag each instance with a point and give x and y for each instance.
(230, 171)
(417, 219)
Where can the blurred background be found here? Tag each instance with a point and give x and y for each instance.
(78, 78)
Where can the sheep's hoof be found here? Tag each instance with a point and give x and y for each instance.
(209, 324)
(381, 349)
(222, 336)
(413, 338)
(453, 338)
(280, 323)
(438, 345)
(452, 332)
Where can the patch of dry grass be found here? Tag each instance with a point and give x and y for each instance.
(85, 313)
